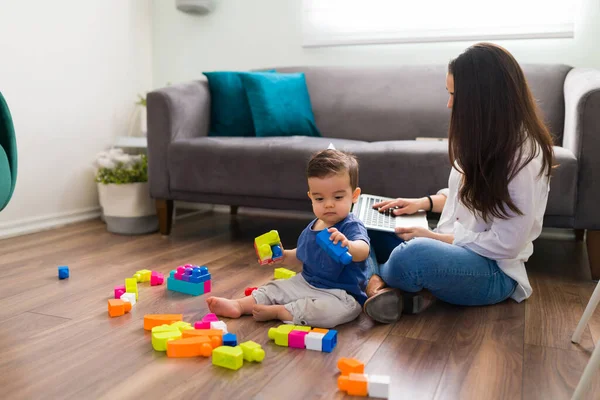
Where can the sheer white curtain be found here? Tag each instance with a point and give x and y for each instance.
(346, 22)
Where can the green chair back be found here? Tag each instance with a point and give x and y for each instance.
(8, 154)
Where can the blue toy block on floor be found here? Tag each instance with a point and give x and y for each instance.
(175, 285)
(63, 272)
(230, 339)
(329, 341)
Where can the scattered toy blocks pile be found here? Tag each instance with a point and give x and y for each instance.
(303, 337)
(268, 248)
(355, 382)
(190, 279)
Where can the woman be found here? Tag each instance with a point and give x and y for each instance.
(493, 208)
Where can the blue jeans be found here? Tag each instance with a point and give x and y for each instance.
(451, 273)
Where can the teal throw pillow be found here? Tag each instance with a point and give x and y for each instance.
(280, 104)
(229, 110)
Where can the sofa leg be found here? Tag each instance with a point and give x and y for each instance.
(164, 209)
(579, 234)
(593, 249)
(233, 210)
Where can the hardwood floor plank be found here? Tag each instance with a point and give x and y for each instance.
(433, 325)
(552, 373)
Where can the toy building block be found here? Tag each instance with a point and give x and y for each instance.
(336, 251)
(182, 326)
(181, 286)
(283, 273)
(329, 341)
(63, 272)
(219, 325)
(252, 351)
(130, 297)
(314, 341)
(162, 334)
(248, 291)
(119, 291)
(320, 330)
(118, 307)
(205, 322)
(143, 275)
(207, 286)
(230, 339)
(349, 366)
(302, 328)
(156, 278)
(190, 347)
(296, 339)
(131, 286)
(280, 334)
(354, 384)
(215, 335)
(379, 386)
(268, 248)
(199, 274)
(228, 357)
(152, 320)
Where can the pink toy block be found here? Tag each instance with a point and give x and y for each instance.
(156, 278)
(296, 339)
(180, 272)
(188, 266)
(206, 320)
(207, 286)
(210, 317)
(119, 290)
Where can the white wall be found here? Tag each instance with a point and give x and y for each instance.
(70, 71)
(243, 34)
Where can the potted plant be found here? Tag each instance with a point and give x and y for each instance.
(143, 114)
(124, 194)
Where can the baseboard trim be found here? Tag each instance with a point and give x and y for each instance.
(37, 224)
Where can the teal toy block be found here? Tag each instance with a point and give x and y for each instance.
(194, 289)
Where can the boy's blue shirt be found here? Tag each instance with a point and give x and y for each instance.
(321, 271)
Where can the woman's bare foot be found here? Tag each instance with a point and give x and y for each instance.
(261, 312)
(224, 307)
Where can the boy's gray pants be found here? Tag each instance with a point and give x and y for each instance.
(321, 308)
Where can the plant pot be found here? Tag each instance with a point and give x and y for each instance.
(128, 209)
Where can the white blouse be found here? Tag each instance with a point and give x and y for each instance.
(508, 241)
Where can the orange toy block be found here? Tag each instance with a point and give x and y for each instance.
(215, 335)
(348, 366)
(320, 330)
(190, 347)
(118, 307)
(152, 320)
(353, 384)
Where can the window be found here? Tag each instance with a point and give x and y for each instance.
(348, 22)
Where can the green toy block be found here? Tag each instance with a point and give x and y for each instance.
(252, 351)
(302, 328)
(131, 286)
(228, 357)
(280, 334)
(283, 273)
(195, 289)
(142, 275)
(162, 334)
(182, 325)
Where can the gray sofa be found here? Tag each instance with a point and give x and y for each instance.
(376, 113)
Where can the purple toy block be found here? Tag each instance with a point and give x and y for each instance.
(207, 287)
(187, 275)
(119, 290)
(296, 339)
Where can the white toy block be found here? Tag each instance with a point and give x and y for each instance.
(314, 341)
(379, 386)
(130, 297)
(219, 325)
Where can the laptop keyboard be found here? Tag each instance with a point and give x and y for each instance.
(373, 217)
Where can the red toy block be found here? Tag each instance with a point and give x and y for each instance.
(249, 290)
(207, 286)
(119, 290)
(156, 278)
(296, 339)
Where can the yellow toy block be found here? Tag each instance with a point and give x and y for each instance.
(131, 286)
(302, 328)
(143, 275)
(283, 273)
(182, 326)
(280, 334)
(162, 334)
(252, 351)
(263, 245)
(228, 357)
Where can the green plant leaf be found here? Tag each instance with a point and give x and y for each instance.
(122, 174)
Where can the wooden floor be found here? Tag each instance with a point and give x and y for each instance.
(57, 341)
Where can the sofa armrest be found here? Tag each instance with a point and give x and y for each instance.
(582, 137)
(176, 112)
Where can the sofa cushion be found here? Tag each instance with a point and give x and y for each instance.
(280, 104)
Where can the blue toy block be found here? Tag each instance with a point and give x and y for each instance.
(329, 341)
(185, 287)
(63, 272)
(336, 251)
(277, 253)
(230, 339)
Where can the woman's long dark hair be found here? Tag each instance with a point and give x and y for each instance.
(496, 128)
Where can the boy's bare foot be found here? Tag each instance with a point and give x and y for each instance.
(261, 312)
(224, 307)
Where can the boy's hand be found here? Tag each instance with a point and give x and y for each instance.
(337, 236)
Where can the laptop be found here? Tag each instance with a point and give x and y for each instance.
(385, 221)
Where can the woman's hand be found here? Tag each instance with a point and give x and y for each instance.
(410, 233)
(401, 206)
(337, 236)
